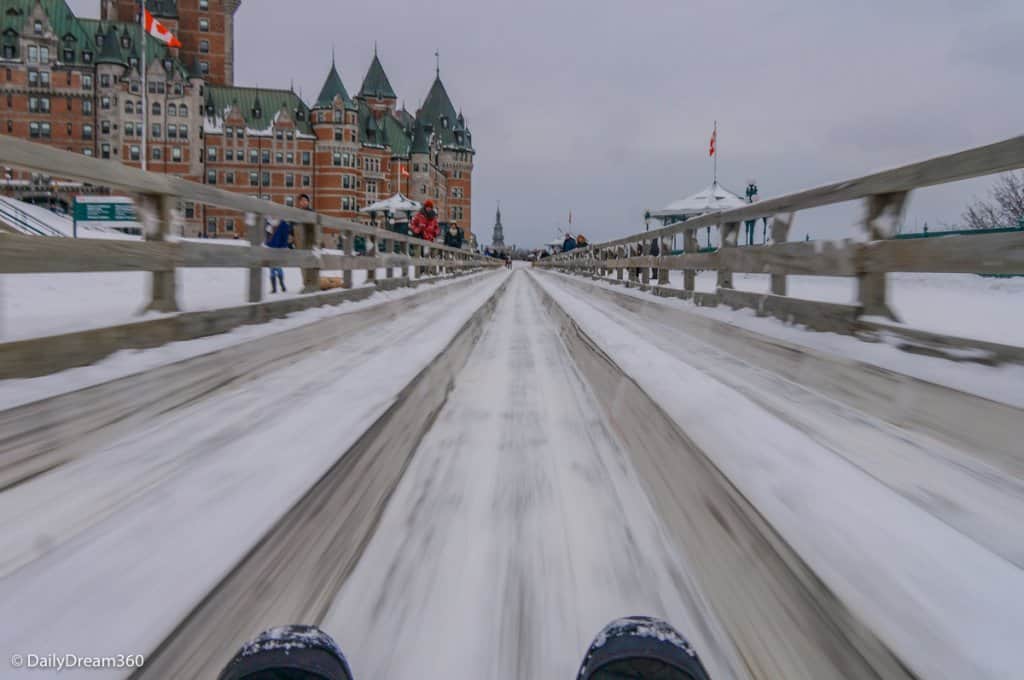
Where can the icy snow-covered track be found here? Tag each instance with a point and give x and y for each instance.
(546, 468)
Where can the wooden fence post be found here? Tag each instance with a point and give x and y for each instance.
(663, 251)
(690, 247)
(884, 214)
(618, 256)
(780, 234)
(645, 272)
(254, 228)
(730, 232)
(310, 235)
(163, 293)
(347, 245)
(371, 254)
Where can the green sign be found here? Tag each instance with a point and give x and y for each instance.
(104, 212)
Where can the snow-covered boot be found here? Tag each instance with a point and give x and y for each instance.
(641, 647)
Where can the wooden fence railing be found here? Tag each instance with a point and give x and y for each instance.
(160, 253)
(870, 261)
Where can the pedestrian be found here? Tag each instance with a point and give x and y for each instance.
(569, 243)
(508, 262)
(424, 224)
(454, 237)
(303, 202)
(279, 235)
(581, 241)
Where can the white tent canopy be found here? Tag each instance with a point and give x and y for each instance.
(397, 203)
(715, 198)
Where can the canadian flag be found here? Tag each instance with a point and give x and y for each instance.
(405, 172)
(159, 31)
(714, 137)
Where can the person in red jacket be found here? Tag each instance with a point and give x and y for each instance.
(424, 224)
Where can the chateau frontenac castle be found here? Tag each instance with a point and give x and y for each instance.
(76, 84)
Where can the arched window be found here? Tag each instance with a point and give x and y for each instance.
(182, 110)
(172, 110)
(129, 107)
(156, 108)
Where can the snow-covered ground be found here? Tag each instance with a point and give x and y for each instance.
(1000, 383)
(107, 553)
(942, 596)
(966, 305)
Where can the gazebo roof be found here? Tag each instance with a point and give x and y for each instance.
(714, 198)
(397, 203)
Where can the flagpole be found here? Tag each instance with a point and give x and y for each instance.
(142, 61)
(716, 150)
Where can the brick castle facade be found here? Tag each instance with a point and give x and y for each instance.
(75, 83)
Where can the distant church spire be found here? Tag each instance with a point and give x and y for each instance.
(498, 238)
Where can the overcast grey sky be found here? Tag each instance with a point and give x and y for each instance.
(607, 108)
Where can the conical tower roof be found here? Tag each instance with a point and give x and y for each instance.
(376, 83)
(333, 87)
(437, 104)
(111, 53)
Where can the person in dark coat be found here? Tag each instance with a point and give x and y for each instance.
(569, 243)
(280, 235)
(454, 237)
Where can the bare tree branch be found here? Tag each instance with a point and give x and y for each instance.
(1004, 208)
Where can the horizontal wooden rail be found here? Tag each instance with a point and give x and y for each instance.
(632, 259)
(161, 254)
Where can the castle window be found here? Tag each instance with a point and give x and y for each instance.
(266, 155)
(105, 80)
(229, 178)
(37, 27)
(156, 108)
(105, 127)
(33, 54)
(306, 181)
(289, 180)
(87, 56)
(204, 4)
(254, 156)
(129, 106)
(211, 153)
(178, 89)
(105, 103)
(105, 151)
(204, 66)
(211, 176)
(157, 131)
(158, 154)
(69, 55)
(204, 25)
(290, 158)
(307, 158)
(183, 110)
(86, 131)
(254, 179)
(172, 110)
(279, 158)
(129, 129)
(204, 46)
(176, 154)
(183, 131)
(10, 52)
(126, 42)
(87, 107)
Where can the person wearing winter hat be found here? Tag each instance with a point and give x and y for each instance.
(424, 224)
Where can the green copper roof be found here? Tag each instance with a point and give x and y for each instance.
(111, 53)
(421, 138)
(376, 83)
(383, 131)
(437, 110)
(115, 32)
(15, 16)
(333, 87)
(252, 101)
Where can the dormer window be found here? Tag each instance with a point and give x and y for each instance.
(257, 112)
(444, 122)
(168, 64)
(37, 27)
(126, 41)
